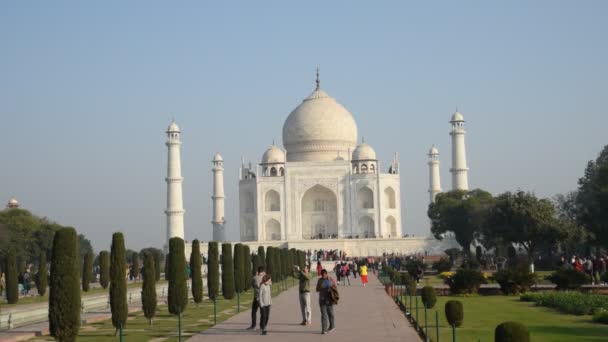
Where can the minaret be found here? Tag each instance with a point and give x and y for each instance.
(434, 177)
(219, 232)
(459, 170)
(175, 209)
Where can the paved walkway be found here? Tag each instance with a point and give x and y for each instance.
(363, 314)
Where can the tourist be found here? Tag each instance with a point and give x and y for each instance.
(345, 274)
(255, 284)
(2, 283)
(324, 286)
(363, 273)
(304, 293)
(319, 269)
(338, 271)
(265, 301)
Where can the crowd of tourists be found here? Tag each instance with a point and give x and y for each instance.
(326, 286)
(594, 267)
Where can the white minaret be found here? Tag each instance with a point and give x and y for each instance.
(434, 177)
(175, 210)
(219, 232)
(459, 170)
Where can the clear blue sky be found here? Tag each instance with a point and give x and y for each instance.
(87, 90)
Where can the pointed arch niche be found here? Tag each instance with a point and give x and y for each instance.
(319, 213)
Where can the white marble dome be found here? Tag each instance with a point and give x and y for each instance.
(173, 128)
(273, 155)
(364, 152)
(217, 157)
(319, 129)
(13, 201)
(433, 150)
(457, 117)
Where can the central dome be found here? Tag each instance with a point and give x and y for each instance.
(319, 129)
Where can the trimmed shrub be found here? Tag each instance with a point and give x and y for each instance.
(511, 332)
(135, 265)
(87, 271)
(12, 280)
(148, 291)
(429, 298)
(601, 316)
(227, 271)
(42, 275)
(262, 256)
(104, 269)
(118, 282)
(247, 269)
(239, 268)
(515, 280)
(196, 262)
(454, 313)
(213, 270)
(568, 279)
(415, 267)
(465, 281)
(178, 289)
(570, 302)
(410, 284)
(442, 265)
(64, 297)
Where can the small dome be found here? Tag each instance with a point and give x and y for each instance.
(433, 150)
(364, 152)
(457, 117)
(217, 157)
(13, 201)
(273, 155)
(173, 128)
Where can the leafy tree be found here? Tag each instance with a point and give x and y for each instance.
(213, 270)
(460, 212)
(118, 282)
(135, 265)
(148, 291)
(42, 275)
(247, 271)
(197, 277)
(522, 218)
(104, 269)
(227, 271)
(178, 289)
(87, 271)
(239, 268)
(12, 283)
(64, 297)
(262, 255)
(592, 199)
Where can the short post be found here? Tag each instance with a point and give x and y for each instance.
(179, 325)
(410, 305)
(426, 325)
(238, 302)
(10, 321)
(214, 311)
(453, 333)
(120, 332)
(417, 325)
(437, 325)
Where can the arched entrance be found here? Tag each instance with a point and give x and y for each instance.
(366, 227)
(273, 230)
(319, 213)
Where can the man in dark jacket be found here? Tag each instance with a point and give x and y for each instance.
(324, 286)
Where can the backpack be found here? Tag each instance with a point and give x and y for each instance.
(334, 295)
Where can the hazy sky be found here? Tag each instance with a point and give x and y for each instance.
(87, 91)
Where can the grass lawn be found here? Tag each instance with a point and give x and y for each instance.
(92, 291)
(483, 313)
(194, 320)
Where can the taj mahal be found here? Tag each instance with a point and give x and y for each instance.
(325, 189)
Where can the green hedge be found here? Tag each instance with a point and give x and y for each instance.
(515, 280)
(570, 302)
(601, 316)
(511, 332)
(568, 279)
(466, 281)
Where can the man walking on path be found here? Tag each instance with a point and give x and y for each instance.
(255, 284)
(304, 293)
(324, 286)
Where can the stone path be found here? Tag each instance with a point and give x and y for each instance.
(363, 314)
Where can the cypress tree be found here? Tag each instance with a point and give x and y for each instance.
(197, 277)
(302, 259)
(12, 281)
(118, 282)
(285, 262)
(167, 267)
(239, 268)
(42, 275)
(227, 271)
(87, 271)
(64, 297)
(213, 270)
(135, 265)
(157, 259)
(278, 264)
(256, 263)
(104, 269)
(148, 291)
(178, 289)
(247, 270)
(262, 256)
(270, 263)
